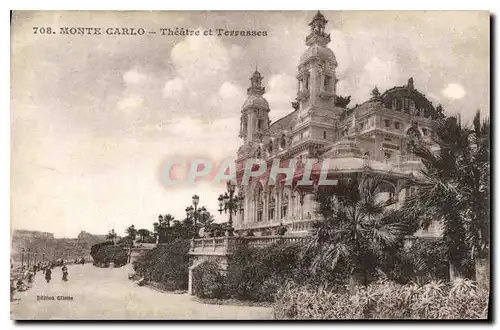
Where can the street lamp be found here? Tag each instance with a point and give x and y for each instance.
(230, 203)
(193, 211)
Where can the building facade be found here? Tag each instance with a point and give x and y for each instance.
(375, 137)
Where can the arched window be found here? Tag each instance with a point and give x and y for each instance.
(259, 124)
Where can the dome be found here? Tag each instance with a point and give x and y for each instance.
(256, 101)
(318, 51)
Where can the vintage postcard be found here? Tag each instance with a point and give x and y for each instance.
(250, 165)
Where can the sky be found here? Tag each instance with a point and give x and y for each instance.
(94, 117)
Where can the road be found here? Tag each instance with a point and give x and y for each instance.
(104, 293)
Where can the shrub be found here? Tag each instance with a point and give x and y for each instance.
(384, 300)
(255, 274)
(208, 281)
(96, 247)
(166, 264)
(105, 253)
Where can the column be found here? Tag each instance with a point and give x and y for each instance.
(250, 125)
(290, 203)
(265, 209)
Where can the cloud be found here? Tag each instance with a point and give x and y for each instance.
(230, 91)
(453, 91)
(339, 46)
(134, 77)
(281, 90)
(131, 102)
(173, 88)
(197, 59)
(383, 73)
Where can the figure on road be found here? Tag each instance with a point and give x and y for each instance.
(48, 274)
(65, 273)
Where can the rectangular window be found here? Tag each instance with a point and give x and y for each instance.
(327, 81)
(387, 155)
(271, 214)
(396, 125)
(259, 216)
(424, 130)
(387, 123)
(361, 126)
(284, 210)
(307, 84)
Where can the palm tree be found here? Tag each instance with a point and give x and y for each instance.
(131, 232)
(357, 225)
(143, 233)
(476, 189)
(160, 227)
(454, 189)
(111, 236)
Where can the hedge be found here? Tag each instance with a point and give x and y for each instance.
(209, 281)
(105, 253)
(384, 300)
(166, 264)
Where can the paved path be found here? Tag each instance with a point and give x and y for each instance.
(103, 293)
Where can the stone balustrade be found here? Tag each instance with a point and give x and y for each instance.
(223, 246)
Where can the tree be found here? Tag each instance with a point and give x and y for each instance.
(204, 218)
(453, 188)
(476, 183)
(439, 112)
(357, 226)
(160, 228)
(375, 92)
(143, 233)
(131, 232)
(111, 236)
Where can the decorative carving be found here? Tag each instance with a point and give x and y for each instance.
(259, 135)
(314, 151)
(283, 141)
(258, 152)
(295, 105)
(321, 67)
(303, 95)
(270, 147)
(341, 101)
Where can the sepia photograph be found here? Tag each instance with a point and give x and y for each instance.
(250, 165)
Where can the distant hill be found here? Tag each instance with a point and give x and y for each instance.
(22, 233)
(53, 248)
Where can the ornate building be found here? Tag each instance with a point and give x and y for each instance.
(372, 137)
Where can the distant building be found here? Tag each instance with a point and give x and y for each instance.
(375, 137)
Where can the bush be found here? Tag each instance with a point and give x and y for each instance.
(423, 261)
(256, 274)
(96, 247)
(384, 300)
(112, 254)
(166, 264)
(208, 281)
(105, 253)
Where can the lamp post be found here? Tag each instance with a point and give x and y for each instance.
(193, 211)
(229, 203)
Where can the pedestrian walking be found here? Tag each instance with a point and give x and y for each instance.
(48, 274)
(65, 273)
